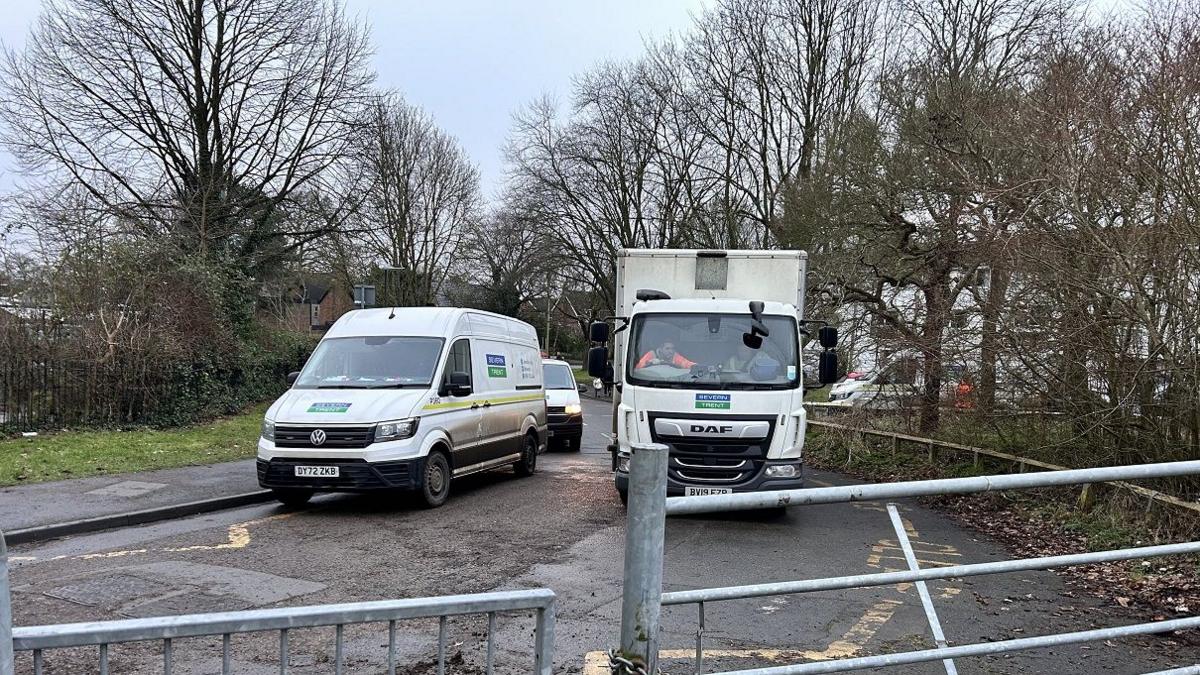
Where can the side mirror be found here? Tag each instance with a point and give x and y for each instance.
(581, 388)
(827, 368)
(597, 361)
(828, 337)
(460, 384)
(292, 377)
(598, 331)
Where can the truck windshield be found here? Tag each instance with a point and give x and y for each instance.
(371, 363)
(706, 351)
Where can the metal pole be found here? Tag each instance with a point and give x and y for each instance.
(935, 625)
(544, 641)
(7, 662)
(927, 574)
(741, 501)
(980, 649)
(644, 530)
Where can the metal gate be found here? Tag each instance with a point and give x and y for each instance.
(166, 629)
(643, 598)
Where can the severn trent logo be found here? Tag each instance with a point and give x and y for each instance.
(496, 366)
(328, 407)
(712, 401)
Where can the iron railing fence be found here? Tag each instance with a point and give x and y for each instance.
(649, 506)
(102, 634)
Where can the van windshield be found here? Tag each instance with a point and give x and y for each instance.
(558, 376)
(707, 351)
(371, 363)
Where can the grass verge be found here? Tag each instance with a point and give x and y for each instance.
(76, 454)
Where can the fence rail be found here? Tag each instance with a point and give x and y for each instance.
(102, 634)
(933, 444)
(642, 602)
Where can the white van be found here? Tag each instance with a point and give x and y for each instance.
(407, 398)
(564, 411)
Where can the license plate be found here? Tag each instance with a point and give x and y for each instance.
(317, 472)
(705, 491)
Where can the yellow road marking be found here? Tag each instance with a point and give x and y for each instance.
(238, 536)
(850, 644)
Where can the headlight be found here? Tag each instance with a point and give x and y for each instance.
(782, 471)
(397, 430)
(573, 409)
(268, 429)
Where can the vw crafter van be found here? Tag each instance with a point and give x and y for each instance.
(407, 399)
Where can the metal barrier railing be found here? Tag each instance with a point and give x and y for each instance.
(102, 634)
(649, 506)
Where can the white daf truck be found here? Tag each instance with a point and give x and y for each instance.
(706, 354)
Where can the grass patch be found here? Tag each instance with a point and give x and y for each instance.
(75, 454)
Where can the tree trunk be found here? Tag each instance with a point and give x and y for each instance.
(932, 328)
(989, 340)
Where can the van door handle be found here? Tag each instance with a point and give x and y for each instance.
(487, 404)
(474, 406)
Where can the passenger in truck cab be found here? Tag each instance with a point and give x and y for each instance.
(665, 354)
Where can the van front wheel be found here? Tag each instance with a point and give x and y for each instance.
(435, 480)
(527, 465)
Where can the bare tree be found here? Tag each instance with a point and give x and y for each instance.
(198, 120)
(421, 196)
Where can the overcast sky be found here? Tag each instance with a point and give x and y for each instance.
(472, 63)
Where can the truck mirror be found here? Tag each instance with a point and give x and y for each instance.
(827, 368)
(597, 361)
(828, 337)
(598, 331)
(460, 384)
(292, 377)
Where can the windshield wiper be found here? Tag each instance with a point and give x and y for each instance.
(341, 386)
(402, 385)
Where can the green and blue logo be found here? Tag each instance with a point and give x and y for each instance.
(713, 401)
(496, 366)
(328, 407)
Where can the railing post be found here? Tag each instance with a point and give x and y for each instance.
(644, 531)
(7, 662)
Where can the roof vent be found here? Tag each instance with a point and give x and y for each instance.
(645, 294)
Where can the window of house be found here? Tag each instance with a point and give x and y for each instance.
(314, 315)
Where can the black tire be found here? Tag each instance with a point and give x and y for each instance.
(435, 480)
(527, 465)
(293, 498)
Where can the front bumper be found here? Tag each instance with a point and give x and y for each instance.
(758, 483)
(354, 475)
(567, 427)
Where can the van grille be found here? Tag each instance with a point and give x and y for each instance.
(336, 438)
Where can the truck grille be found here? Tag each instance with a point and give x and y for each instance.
(336, 438)
(714, 461)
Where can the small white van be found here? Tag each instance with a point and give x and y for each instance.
(407, 399)
(564, 411)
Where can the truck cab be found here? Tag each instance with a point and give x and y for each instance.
(718, 379)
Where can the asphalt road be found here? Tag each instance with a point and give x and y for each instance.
(563, 529)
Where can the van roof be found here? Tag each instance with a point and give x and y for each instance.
(555, 362)
(431, 321)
